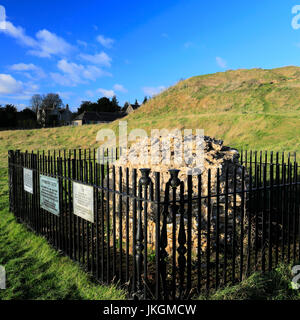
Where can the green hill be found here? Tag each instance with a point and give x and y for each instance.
(255, 109)
(251, 109)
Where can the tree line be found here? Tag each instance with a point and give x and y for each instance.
(104, 105)
(54, 101)
(10, 117)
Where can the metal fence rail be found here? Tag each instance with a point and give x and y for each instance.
(161, 241)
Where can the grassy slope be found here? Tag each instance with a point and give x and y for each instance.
(257, 109)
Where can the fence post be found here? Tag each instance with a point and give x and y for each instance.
(143, 182)
(17, 180)
(174, 183)
(10, 179)
(157, 235)
(164, 243)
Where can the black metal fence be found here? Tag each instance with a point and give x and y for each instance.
(170, 240)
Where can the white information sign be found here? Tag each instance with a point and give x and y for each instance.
(83, 201)
(49, 194)
(28, 180)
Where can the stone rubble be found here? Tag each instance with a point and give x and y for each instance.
(216, 156)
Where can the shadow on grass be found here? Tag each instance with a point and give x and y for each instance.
(273, 285)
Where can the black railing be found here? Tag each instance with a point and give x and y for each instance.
(170, 240)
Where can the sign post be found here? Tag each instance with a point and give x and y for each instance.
(28, 180)
(83, 201)
(49, 194)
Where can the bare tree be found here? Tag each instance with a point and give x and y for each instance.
(52, 101)
(46, 107)
(36, 102)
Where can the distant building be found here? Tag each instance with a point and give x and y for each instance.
(52, 116)
(66, 116)
(131, 107)
(91, 117)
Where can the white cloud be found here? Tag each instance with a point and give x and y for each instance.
(100, 58)
(150, 91)
(22, 106)
(30, 87)
(61, 79)
(74, 74)
(66, 94)
(120, 88)
(46, 43)
(2, 17)
(221, 62)
(9, 85)
(23, 67)
(93, 72)
(82, 43)
(106, 42)
(19, 34)
(106, 93)
(11, 88)
(27, 68)
(73, 70)
(50, 44)
(21, 97)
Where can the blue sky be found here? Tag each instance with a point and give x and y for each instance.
(86, 50)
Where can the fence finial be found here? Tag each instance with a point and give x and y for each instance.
(145, 179)
(174, 180)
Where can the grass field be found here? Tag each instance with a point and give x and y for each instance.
(250, 109)
(36, 271)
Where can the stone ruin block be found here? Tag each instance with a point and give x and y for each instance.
(215, 156)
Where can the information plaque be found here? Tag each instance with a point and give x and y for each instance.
(83, 201)
(49, 194)
(28, 180)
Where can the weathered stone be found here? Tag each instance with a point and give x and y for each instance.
(216, 156)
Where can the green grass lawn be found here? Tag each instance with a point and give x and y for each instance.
(36, 271)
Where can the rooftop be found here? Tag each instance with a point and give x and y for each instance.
(98, 116)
